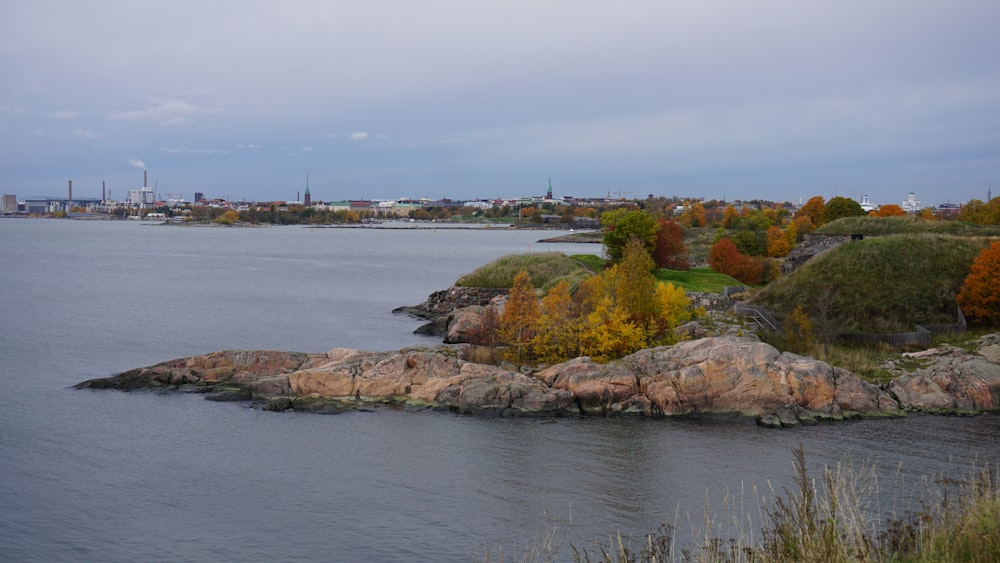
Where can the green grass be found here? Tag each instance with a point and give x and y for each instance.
(545, 269)
(884, 284)
(594, 263)
(881, 226)
(703, 280)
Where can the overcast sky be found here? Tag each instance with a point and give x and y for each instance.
(482, 99)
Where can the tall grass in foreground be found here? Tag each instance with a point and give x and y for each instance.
(835, 518)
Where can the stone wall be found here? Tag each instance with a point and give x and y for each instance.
(810, 246)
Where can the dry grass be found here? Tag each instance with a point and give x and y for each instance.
(837, 518)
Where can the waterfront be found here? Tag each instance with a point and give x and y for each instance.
(90, 475)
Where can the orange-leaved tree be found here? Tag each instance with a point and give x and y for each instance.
(725, 258)
(980, 294)
(520, 314)
(777, 242)
(813, 209)
(888, 210)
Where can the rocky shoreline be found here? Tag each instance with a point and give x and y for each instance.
(716, 375)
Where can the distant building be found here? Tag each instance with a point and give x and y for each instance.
(866, 205)
(199, 197)
(8, 204)
(911, 205)
(142, 197)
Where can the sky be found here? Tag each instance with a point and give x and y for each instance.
(474, 99)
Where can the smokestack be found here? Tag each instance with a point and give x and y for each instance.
(103, 196)
(71, 190)
(145, 182)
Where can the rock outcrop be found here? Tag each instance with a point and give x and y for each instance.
(950, 379)
(721, 375)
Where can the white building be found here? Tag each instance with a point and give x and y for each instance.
(142, 197)
(911, 205)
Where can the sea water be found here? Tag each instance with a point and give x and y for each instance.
(100, 475)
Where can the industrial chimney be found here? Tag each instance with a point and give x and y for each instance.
(145, 182)
(70, 191)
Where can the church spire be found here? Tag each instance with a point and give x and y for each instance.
(548, 195)
(308, 198)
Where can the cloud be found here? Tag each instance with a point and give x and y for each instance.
(358, 136)
(64, 114)
(251, 146)
(307, 149)
(136, 163)
(189, 150)
(170, 111)
(84, 134)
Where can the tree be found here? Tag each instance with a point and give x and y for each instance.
(670, 251)
(517, 324)
(694, 215)
(777, 242)
(557, 331)
(729, 215)
(813, 209)
(725, 258)
(798, 331)
(839, 207)
(980, 293)
(889, 210)
(622, 224)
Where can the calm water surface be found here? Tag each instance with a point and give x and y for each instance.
(91, 475)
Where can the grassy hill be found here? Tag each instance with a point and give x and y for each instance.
(877, 226)
(883, 284)
(545, 269)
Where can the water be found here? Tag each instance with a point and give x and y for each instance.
(100, 475)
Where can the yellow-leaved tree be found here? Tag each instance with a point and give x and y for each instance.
(629, 309)
(520, 315)
(557, 331)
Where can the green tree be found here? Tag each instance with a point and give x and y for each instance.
(622, 224)
(839, 207)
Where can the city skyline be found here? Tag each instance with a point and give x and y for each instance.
(388, 100)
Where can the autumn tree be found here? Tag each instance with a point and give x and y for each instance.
(927, 214)
(813, 209)
(798, 331)
(777, 242)
(693, 215)
(670, 251)
(558, 328)
(980, 293)
(629, 309)
(803, 225)
(729, 215)
(520, 314)
(888, 210)
(725, 258)
(622, 224)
